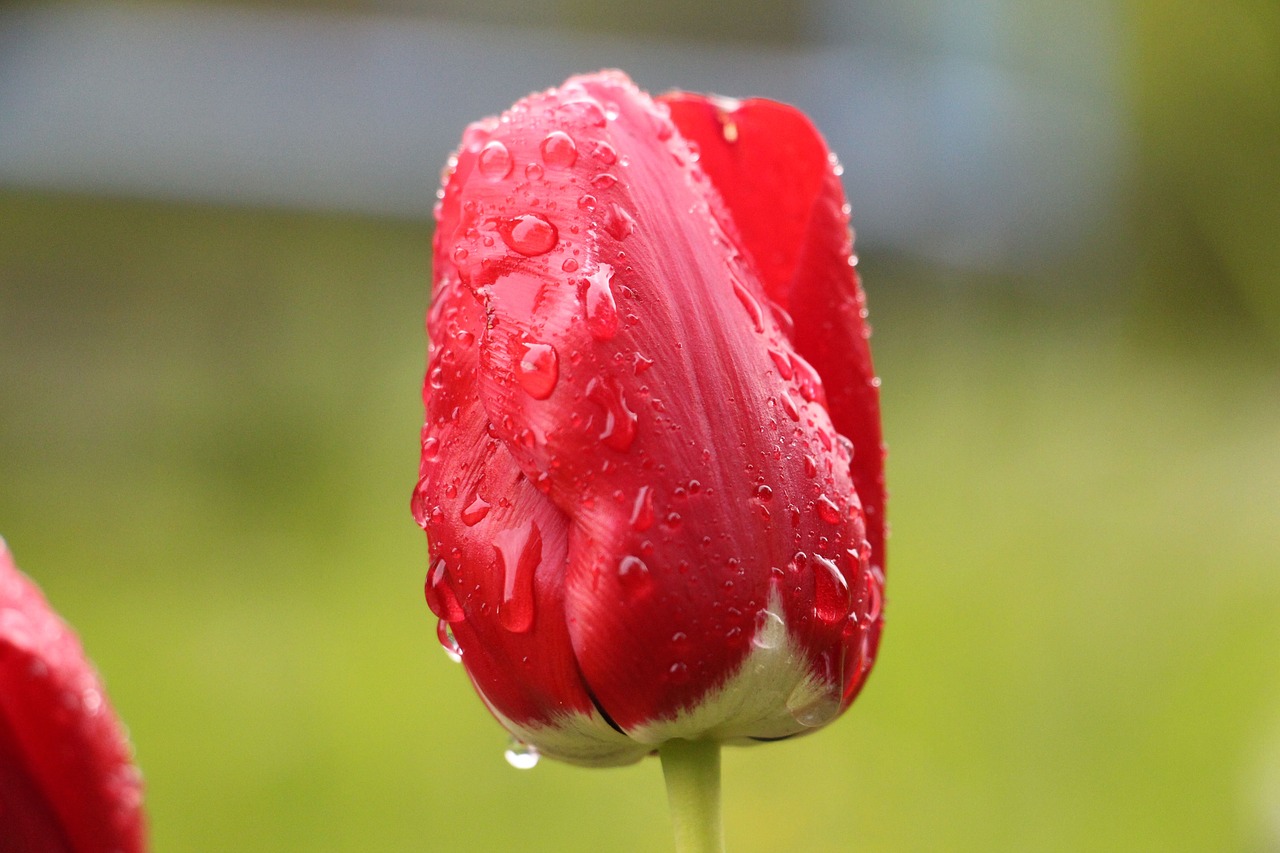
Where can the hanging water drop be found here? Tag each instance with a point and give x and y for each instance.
(521, 756)
(448, 642)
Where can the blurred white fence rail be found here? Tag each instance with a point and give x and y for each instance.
(954, 159)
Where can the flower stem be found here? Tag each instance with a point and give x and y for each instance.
(692, 771)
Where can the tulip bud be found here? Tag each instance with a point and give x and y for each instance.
(67, 780)
(652, 472)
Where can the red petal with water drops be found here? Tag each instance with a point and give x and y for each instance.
(67, 780)
(782, 187)
(498, 544)
(628, 363)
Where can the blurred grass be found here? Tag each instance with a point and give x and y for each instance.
(207, 445)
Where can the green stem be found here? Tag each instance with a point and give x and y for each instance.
(692, 771)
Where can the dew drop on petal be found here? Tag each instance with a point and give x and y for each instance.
(749, 302)
(783, 363)
(475, 511)
(831, 599)
(539, 369)
(558, 150)
(770, 630)
(495, 161)
(521, 756)
(533, 172)
(678, 673)
(811, 711)
(827, 510)
(601, 309)
(519, 552)
(808, 379)
(618, 222)
(642, 509)
(530, 235)
(633, 574)
(620, 422)
(789, 406)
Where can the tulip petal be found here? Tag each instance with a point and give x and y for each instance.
(498, 544)
(632, 365)
(67, 781)
(782, 187)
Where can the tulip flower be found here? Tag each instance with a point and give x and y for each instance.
(67, 780)
(652, 471)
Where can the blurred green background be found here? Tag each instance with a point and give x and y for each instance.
(208, 436)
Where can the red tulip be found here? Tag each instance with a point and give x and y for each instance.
(652, 473)
(67, 781)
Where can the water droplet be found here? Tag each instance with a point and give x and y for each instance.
(789, 406)
(587, 109)
(642, 509)
(811, 711)
(874, 594)
(475, 511)
(530, 235)
(601, 309)
(587, 202)
(782, 362)
(831, 600)
(495, 161)
(764, 493)
(539, 370)
(770, 630)
(603, 181)
(810, 466)
(569, 265)
(633, 574)
(827, 510)
(460, 254)
(808, 379)
(519, 551)
(618, 222)
(430, 447)
(678, 673)
(448, 642)
(605, 153)
(559, 151)
(440, 596)
(749, 302)
(533, 172)
(521, 756)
